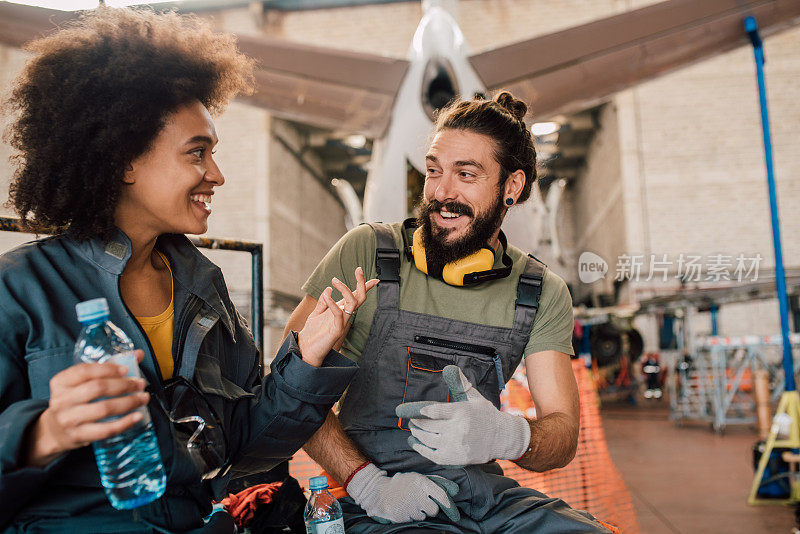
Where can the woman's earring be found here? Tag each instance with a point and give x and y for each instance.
(509, 201)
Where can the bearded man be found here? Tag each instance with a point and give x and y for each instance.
(456, 310)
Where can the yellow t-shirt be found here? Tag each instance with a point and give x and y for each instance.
(159, 331)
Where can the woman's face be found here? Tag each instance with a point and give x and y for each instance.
(169, 188)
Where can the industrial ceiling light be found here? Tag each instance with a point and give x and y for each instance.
(355, 141)
(540, 129)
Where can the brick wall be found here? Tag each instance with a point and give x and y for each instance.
(701, 164)
(490, 24)
(377, 29)
(703, 153)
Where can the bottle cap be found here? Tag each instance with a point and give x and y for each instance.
(92, 310)
(318, 483)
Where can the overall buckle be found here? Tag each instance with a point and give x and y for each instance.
(387, 262)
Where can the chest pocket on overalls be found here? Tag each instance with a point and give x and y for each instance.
(428, 356)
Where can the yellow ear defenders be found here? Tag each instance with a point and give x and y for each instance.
(473, 269)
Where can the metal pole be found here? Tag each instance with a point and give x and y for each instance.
(714, 324)
(257, 296)
(751, 27)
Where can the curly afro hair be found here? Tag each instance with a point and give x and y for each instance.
(95, 96)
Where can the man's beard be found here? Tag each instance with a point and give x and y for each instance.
(438, 250)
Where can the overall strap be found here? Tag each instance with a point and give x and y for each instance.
(387, 263)
(529, 289)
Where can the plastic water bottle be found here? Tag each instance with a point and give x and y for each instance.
(130, 463)
(323, 513)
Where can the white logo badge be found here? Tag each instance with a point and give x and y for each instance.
(591, 267)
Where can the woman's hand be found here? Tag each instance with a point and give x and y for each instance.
(72, 421)
(327, 325)
(351, 301)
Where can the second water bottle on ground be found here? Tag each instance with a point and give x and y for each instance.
(130, 463)
(323, 514)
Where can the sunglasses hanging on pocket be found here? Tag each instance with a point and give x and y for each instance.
(196, 425)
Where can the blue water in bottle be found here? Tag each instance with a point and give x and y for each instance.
(323, 514)
(130, 463)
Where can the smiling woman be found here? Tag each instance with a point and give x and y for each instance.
(112, 124)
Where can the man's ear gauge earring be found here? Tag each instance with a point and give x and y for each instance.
(509, 201)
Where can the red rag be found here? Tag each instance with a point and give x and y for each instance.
(243, 505)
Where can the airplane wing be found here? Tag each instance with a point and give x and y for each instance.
(335, 89)
(581, 66)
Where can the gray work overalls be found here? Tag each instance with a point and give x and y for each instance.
(402, 361)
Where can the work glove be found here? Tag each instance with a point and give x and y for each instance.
(403, 497)
(469, 430)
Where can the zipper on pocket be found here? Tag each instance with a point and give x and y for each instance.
(468, 347)
(455, 345)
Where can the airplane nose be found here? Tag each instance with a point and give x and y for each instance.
(438, 86)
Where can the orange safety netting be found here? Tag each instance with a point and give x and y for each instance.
(590, 482)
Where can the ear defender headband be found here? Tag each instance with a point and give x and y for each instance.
(471, 270)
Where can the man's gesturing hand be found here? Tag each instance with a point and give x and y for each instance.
(469, 430)
(403, 497)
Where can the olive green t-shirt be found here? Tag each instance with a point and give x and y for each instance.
(489, 303)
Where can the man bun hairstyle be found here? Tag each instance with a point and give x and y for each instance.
(502, 120)
(93, 98)
(518, 108)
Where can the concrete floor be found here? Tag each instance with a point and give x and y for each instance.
(687, 480)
